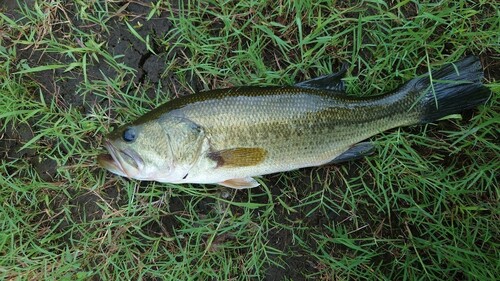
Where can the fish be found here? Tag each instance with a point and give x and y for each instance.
(231, 136)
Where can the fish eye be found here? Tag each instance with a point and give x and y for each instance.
(129, 135)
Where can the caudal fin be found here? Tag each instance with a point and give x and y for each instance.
(454, 88)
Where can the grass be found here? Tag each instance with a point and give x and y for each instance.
(425, 206)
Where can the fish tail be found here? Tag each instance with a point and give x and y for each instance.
(452, 89)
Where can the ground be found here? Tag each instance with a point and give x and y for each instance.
(425, 205)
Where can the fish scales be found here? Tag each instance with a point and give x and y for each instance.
(315, 125)
(228, 136)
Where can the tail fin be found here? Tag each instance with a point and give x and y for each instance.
(454, 88)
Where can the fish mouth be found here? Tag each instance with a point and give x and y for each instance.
(123, 162)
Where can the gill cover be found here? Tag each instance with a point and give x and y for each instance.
(184, 137)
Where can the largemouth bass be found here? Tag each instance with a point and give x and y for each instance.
(228, 136)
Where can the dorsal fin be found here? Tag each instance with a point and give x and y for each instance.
(331, 82)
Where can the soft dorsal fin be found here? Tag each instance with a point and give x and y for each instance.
(331, 82)
(239, 156)
(242, 183)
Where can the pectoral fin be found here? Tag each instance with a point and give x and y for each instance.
(357, 151)
(238, 157)
(242, 183)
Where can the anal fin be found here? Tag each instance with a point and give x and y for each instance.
(240, 183)
(357, 151)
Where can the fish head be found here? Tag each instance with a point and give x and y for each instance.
(139, 151)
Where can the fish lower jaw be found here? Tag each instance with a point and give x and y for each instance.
(107, 162)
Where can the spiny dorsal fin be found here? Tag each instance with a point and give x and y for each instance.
(242, 183)
(332, 82)
(238, 157)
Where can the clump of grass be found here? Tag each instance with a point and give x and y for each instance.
(424, 207)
